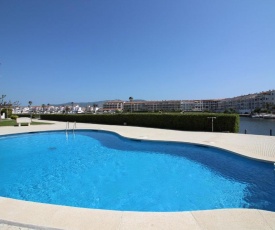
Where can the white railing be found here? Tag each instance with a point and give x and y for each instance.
(68, 126)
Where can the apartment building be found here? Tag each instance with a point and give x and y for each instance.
(248, 103)
(172, 105)
(199, 105)
(153, 106)
(210, 105)
(192, 105)
(241, 104)
(134, 106)
(167, 105)
(113, 105)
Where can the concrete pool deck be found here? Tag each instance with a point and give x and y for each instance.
(17, 214)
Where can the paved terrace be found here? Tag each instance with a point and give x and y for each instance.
(16, 214)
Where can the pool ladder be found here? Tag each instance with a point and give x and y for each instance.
(74, 126)
(68, 126)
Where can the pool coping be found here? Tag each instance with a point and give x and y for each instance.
(31, 215)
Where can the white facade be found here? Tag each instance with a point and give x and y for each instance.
(113, 105)
(248, 103)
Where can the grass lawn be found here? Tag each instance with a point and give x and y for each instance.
(6, 122)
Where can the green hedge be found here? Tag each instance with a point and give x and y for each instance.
(14, 117)
(188, 122)
(27, 115)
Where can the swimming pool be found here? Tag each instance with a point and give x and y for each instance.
(106, 171)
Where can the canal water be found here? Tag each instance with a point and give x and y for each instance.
(257, 126)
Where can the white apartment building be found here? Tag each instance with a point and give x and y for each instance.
(134, 106)
(113, 105)
(210, 105)
(248, 103)
(241, 104)
(192, 105)
(167, 105)
(172, 105)
(153, 106)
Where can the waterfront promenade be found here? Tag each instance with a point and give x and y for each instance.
(16, 214)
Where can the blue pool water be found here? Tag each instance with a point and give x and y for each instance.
(103, 170)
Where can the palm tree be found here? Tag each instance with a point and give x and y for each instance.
(94, 107)
(72, 106)
(67, 109)
(30, 103)
(9, 109)
(43, 107)
(131, 99)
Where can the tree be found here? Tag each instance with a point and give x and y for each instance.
(131, 99)
(230, 111)
(67, 109)
(15, 105)
(94, 107)
(268, 106)
(6, 105)
(2, 104)
(72, 106)
(43, 107)
(257, 110)
(30, 103)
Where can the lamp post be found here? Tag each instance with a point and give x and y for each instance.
(212, 118)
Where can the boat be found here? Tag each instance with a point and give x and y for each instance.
(269, 116)
(257, 116)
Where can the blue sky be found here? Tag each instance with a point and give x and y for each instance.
(57, 51)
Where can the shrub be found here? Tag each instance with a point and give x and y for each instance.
(8, 112)
(14, 117)
(177, 121)
(28, 115)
